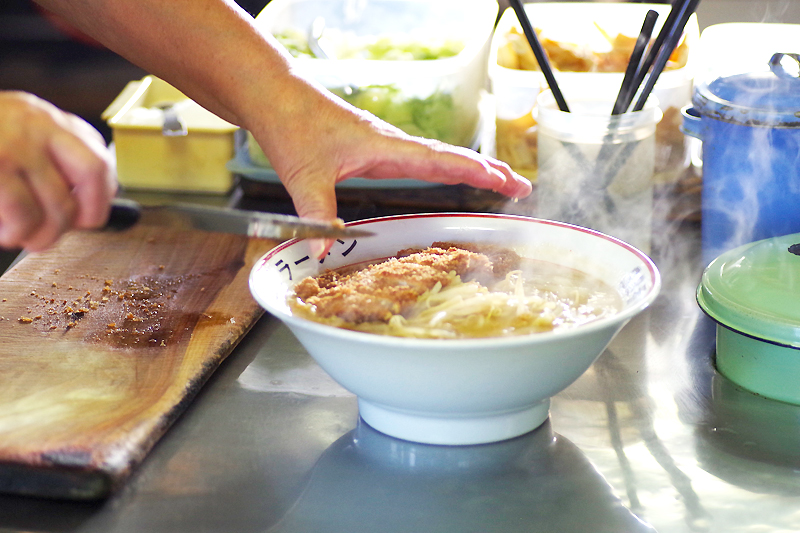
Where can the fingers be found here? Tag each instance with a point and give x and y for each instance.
(37, 208)
(313, 193)
(516, 186)
(314, 196)
(20, 214)
(87, 168)
(55, 173)
(433, 161)
(482, 172)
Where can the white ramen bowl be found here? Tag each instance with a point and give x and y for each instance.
(464, 391)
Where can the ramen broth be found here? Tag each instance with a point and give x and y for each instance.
(537, 296)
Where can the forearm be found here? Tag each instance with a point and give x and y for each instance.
(210, 49)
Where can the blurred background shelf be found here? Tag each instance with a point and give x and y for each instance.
(48, 59)
(44, 57)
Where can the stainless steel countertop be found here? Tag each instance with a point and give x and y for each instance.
(650, 438)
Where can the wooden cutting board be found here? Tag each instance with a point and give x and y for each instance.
(104, 340)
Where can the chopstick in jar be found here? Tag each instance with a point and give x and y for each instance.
(540, 54)
(684, 11)
(635, 64)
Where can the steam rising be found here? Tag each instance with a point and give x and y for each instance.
(751, 182)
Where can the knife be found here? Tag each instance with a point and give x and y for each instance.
(125, 213)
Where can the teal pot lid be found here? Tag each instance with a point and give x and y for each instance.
(755, 290)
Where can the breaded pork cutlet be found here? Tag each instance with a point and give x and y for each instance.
(503, 260)
(377, 292)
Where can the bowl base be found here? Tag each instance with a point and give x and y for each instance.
(461, 430)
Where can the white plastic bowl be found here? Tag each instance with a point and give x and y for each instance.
(466, 391)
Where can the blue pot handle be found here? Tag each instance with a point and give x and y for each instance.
(692, 122)
(779, 70)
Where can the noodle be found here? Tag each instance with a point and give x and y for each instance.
(538, 298)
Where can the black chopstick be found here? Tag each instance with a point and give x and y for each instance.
(672, 31)
(539, 53)
(685, 10)
(649, 59)
(627, 88)
(635, 63)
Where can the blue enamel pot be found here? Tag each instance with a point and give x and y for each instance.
(750, 127)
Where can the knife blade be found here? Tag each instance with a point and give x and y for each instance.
(125, 213)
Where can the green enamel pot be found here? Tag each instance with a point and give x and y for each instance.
(753, 294)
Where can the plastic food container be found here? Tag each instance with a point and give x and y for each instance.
(752, 293)
(148, 159)
(746, 110)
(435, 98)
(579, 34)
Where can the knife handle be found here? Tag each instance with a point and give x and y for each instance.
(124, 214)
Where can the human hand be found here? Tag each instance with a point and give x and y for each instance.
(55, 173)
(331, 141)
(221, 59)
